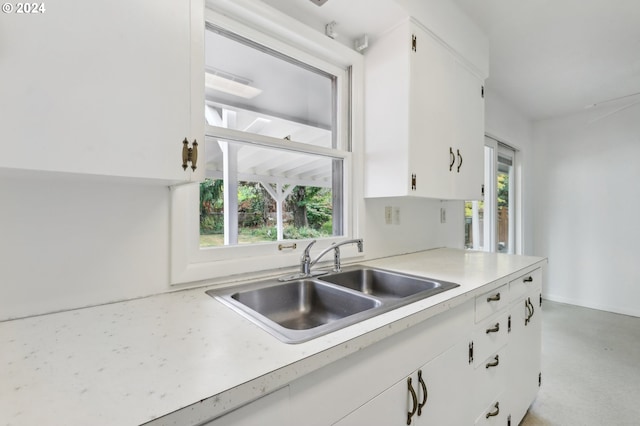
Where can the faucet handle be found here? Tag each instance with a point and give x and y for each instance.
(308, 249)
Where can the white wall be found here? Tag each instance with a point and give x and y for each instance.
(419, 227)
(69, 242)
(66, 243)
(587, 207)
(505, 123)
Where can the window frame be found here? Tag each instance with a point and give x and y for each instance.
(189, 262)
(490, 231)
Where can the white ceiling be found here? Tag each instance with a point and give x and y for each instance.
(548, 57)
(554, 57)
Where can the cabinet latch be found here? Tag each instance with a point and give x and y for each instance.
(189, 155)
(471, 353)
(413, 182)
(414, 43)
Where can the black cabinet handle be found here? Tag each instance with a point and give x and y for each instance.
(493, 363)
(495, 328)
(530, 310)
(452, 157)
(459, 160)
(528, 279)
(424, 392)
(414, 398)
(494, 298)
(495, 412)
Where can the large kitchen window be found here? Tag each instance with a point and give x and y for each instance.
(290, 189)
(490, 224)
(280, 139)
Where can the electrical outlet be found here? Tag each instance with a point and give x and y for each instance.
(387, 215)
(443, 215)
(396, 215)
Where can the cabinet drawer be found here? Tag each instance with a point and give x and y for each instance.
(489, 380)
(491, 302)
(494, 414)
(525, 283)
(489, 337)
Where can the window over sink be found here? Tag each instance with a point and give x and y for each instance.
(278, 151)
(255, 193)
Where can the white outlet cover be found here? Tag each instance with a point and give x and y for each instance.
(396, 215)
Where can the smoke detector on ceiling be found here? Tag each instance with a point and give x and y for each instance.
(319, 2)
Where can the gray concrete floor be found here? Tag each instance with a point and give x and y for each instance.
(590, 369)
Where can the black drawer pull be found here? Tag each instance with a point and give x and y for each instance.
(494, 298)
(528, 279)
(493, 363)
(425, 394)
(495, 412)
(414, 399)
(495, 328)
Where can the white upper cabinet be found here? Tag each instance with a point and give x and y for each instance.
(107, 88)
(424, 119)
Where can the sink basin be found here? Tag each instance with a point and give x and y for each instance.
(304, 304)
(386, 284)
(304, 309)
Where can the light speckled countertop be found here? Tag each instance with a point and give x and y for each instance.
(132, 362)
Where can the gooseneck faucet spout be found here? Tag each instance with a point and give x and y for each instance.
(306, 263)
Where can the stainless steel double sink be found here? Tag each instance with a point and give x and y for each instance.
(300, 310)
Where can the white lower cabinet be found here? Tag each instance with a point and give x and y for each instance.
(524, 344)
(435, 394)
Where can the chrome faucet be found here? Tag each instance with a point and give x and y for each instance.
(306, 263)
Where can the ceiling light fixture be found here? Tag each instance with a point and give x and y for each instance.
(229, 83)
(319, 2)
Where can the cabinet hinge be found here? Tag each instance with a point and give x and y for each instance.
(482, 91)
(470, 352)
(540, 379)
(413, 182)
(189, 155)
(509, 324)
(414, 43)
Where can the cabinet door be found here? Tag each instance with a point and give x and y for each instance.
(104, 89)
(448, 379)
(524, 353)
(432, 108)
(469, 135)
(443, 402)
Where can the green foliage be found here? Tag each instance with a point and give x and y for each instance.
(265, 233)
(211, 224)
(293, 233)
(503, 190)
(210, 196)
(311, 208)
